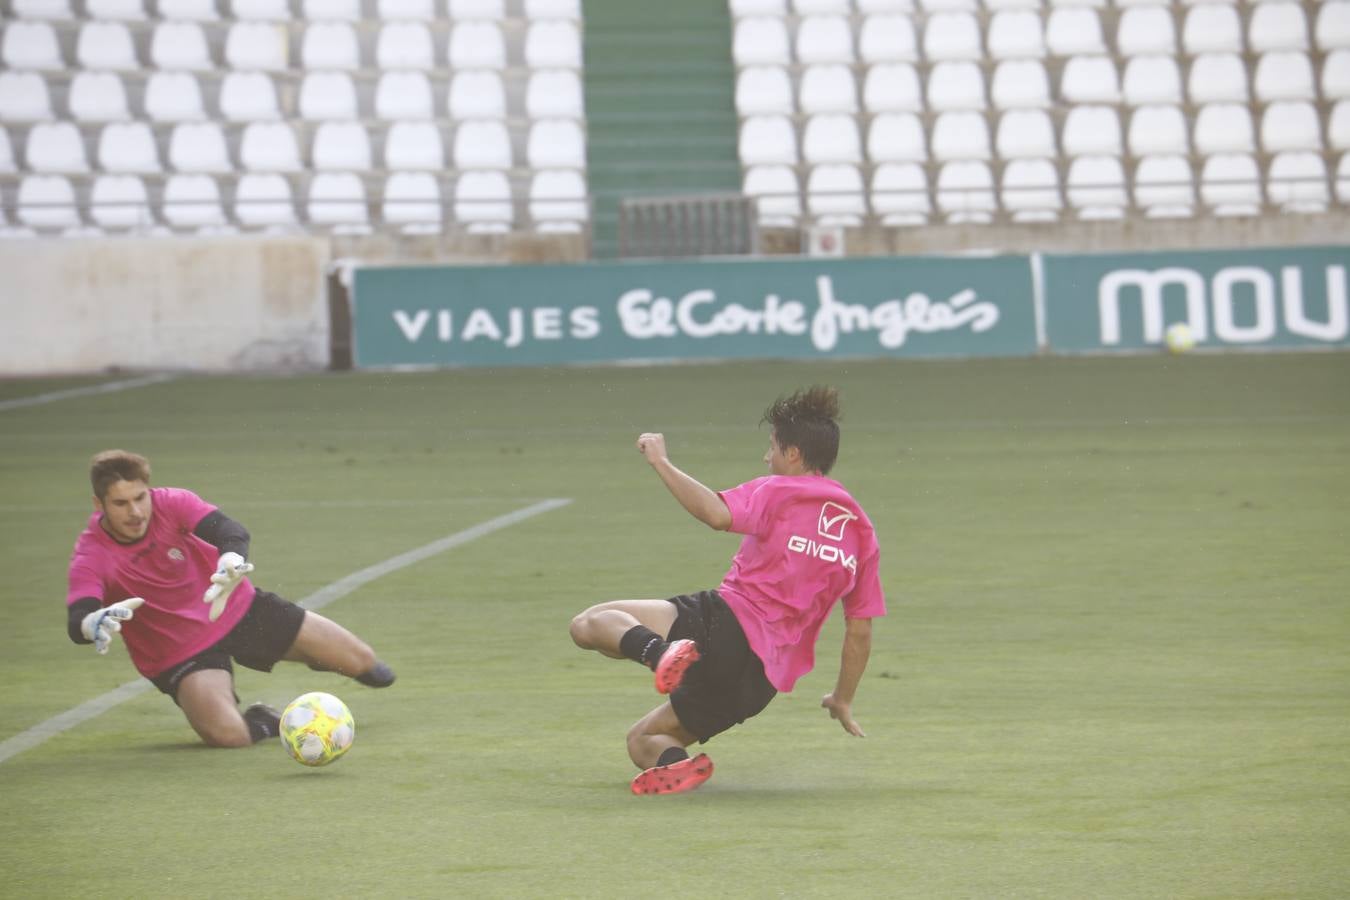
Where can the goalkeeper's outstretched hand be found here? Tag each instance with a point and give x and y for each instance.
(101, 624)
(230, 570)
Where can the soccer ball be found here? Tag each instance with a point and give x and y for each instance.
(1179, 337)
(317, 728)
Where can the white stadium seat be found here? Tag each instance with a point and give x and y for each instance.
(1091, 131)
(818, 7)
(899, 195)
(1332, 30)
(1217, 78)
(952, 35)
(1338, 128)
(1291, 125)
(420, 10)
(892, 87)
(414, 145)
(1284, 75)
(556, 144)
(777, 195)
(273, 10)
(327, 95)
(56, 147)
(1030, 191)
(831, 139)
(828, 89)
(1158, 131)
(340, 147)
(887, 38)
(192, 201)
(888, 6)
(965, 193)
(960, 135)
(1223, 128)
(477, 94)
(330, 45)
(106, 45)
(257, 45)
(1230, 185)
(767, 140)
(264, 201)
(338, 199)
(476, 45)
(955, 85)
(24, 97)
(1297, 182)
(1335, 75)
(482, 144)
(248, 97)
(97, 97)
(1277, 26)
(1020, 83)
(57, 10)
(7, 163)
(760, 90)
(824, 39)
(742, 8)
(412, 200)
(47, 201)
(1025, 134)
(120, 202)
(1212, 28)
(180, 45)
(1016, 34)
(1144, 30)
(198, 10)
(896, 137)
(1096, 187)
(329, 10)
(1343, 179)
(405, 45)
(30, 45)
(128, 147)
(1152, 79)
(198, 147)
(127, 10)
(553, 9)
(404, 95)
(834, 195)
(556, 93)
(269, 147)
(174, 97)
(476, 9)
(761, 41)
(1164, 187)
(1090, 79)
(558, 201)
(1073, 31)
(483, 202)
(553, 44)
(934, 6)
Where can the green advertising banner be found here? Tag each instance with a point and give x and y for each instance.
(1269, 298)
(535, 315)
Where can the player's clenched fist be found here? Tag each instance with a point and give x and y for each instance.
(652, 445)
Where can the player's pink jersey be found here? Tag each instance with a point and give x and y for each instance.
(807, 544)
(170, 567)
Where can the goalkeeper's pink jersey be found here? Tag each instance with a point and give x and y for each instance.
(807, 545)
(171, 569)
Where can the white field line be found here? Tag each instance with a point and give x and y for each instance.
(105, 388)
(40, 732)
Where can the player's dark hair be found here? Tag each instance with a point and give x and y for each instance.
(111, 466)
(807, 420)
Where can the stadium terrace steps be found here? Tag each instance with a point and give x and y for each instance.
(660, 108)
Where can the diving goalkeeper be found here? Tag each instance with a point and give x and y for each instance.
(723, 654)
(168, 571)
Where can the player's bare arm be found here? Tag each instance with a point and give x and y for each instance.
(702, 502)
(852, 663)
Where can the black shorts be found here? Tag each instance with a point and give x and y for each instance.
(727, 685)
(259, 641)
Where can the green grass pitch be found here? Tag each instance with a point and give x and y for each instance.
(1115, 666)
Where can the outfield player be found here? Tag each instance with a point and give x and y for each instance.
(723, 654)
(167, 571)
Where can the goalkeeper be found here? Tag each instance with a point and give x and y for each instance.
(168, 571)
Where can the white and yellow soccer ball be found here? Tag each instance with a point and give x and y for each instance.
(1179, 337)
(317, 728)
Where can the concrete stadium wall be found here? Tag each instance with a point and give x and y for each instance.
(217, 304)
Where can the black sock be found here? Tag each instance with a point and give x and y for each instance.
(379, 675)
(641, 644)
(262, 723)
(671, 755)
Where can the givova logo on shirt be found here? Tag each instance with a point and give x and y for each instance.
(833, 518)
(830, 525)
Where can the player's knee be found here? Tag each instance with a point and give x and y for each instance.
(581, 630)
(225, 734)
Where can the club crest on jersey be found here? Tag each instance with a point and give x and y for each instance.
(833, 518)
(175, 554)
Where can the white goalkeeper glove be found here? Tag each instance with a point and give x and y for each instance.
(230, 570)
(100, 625)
